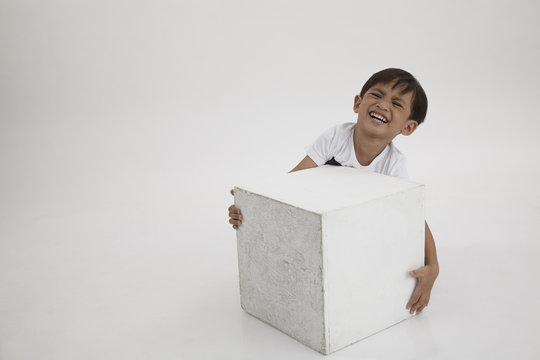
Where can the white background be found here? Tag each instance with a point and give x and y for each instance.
(123, 124)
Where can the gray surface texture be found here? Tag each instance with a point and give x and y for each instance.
(280, 262)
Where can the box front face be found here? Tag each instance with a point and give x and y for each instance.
(368, 251)
(280, 265)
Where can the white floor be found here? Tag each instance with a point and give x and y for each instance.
(123, 124)
(133, 283)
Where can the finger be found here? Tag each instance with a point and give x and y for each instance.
(418, 308)
(419, 303)
(426, 299)
(234, 209)
(422, 307)
(418, 273)
(415, 305)
(235, 216)
(235, 222)
(232, 192)
(414, 298)
(235, 227)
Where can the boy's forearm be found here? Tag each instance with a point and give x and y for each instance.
(430, 255)
(306, 163)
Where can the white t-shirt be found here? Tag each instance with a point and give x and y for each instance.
(337, 142)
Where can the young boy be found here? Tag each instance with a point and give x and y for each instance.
(391, 102)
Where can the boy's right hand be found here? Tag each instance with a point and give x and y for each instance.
(235, 215)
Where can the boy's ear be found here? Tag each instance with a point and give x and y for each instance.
(357, 101)
(409, 127)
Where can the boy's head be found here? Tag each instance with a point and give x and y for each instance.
(406, 83)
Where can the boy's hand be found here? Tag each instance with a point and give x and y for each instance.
(425, 277)
(235, 215)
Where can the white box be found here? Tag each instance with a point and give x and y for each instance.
(324, 253)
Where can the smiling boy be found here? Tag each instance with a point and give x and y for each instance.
(391, 102)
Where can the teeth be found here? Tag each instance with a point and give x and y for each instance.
(378, 117)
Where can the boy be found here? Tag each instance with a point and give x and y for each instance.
(391, 102)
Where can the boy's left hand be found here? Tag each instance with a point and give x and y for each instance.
(425, 277)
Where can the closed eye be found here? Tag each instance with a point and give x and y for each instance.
(398, 105)
(376, 95)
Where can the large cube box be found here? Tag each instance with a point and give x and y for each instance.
(324, 253)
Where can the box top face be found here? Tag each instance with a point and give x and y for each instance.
(326, 188)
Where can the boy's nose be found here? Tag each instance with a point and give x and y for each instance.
(382, 105)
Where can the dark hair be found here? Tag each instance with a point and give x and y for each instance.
(402, 78)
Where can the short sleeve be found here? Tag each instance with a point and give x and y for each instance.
(400, 169)
(320, 150)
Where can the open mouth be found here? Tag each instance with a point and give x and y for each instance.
(378, 117)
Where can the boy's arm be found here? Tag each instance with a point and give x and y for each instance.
(430, 253)
(306, 163)
(425, 275)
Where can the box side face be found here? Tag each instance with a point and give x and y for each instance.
(369, 250)
(280, 267)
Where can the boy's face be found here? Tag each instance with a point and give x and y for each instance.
(384, 112)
